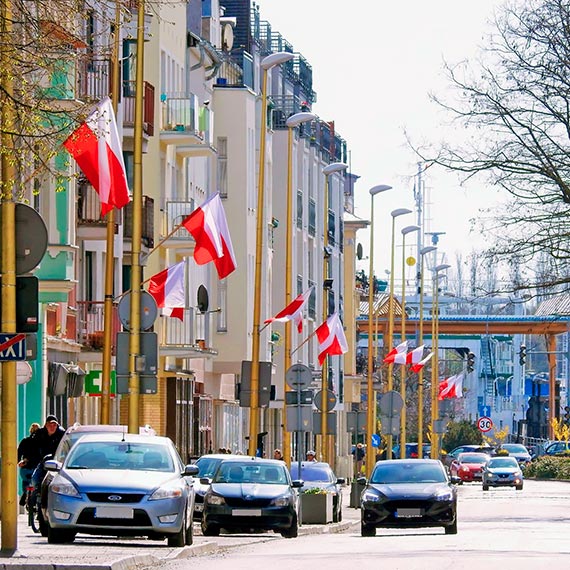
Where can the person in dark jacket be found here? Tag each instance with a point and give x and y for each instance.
(47, 439)
(28, 459)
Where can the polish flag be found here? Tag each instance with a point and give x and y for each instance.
(415, 356)
(167, 288)
(331, 338)
(293, 311)
(96, 147)
(209, 227)
(419, 365)
(451, 387)
(399, 350)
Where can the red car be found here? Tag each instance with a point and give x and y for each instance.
(469, 466)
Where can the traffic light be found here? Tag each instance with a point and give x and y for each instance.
(522, 355)
(470, 362)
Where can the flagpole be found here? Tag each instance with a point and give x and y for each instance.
(110, 246)
(304, 342)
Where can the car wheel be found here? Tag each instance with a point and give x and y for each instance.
(485, 487)
(519, 487)
(451, 529)
(367, 530)
(292, 531)
(58, 536)
(210, 529)
(178, 540)
(190, 533)
(43, 524)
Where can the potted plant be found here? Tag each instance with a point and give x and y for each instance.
(316, 506)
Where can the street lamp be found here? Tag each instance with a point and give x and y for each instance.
(327, 171)
(292, 122)
(423, 252)
(405, 231)
(266, 64)
(395, 214)
(435, 364)
(370, 396)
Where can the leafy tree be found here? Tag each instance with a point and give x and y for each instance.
(461, 433)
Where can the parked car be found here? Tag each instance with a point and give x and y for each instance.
(447, 458)
(412, 451)
(502, 472)
(121, 484)
(207, 465)
(251, 493)
(557, 448)
(518, 451)
(408, 493)
(320, 475)
(468, 466)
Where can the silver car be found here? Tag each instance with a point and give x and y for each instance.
(502, 472)
(121, 485)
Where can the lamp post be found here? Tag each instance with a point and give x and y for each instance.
(395, 214)
(435, 358)
(423, 252)
(267, 63)
(370, 396)
(327, 171)
(292, 122)
(405, 231)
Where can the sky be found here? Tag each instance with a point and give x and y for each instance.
(374, 64)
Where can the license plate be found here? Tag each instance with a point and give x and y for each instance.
(199, 507)
(114, 513)
(246, 512)
(408, 513)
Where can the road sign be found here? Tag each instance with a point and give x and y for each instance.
(148, 310)
(326, 403)
(375, 440)
(356, 422)
(331, 423)
(484, 411)
(391, 403)
(484, 424)
(303, 397)
(12, 347)
(299, 418)
(298, 375)
(390, 424)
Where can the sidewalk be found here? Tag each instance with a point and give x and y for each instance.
(104, 553)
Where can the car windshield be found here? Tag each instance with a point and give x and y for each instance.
(473, 458)
(514, 448)
(502, 462)
(207, 466)
(120, 455)
(310, 473)
(416, 472)
(237, 472)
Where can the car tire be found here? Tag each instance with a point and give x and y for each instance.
(190, 533)
(519, 487)
(178, 540)
(210, 529)
(292, 531)
(59, 536)
(452, 528)
(485, 487)
(43, 525)
(367, 529)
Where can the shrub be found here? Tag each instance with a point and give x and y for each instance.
(461, 433)
(549, 468)
(315, 491)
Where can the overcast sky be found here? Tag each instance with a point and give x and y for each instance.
(374, 63)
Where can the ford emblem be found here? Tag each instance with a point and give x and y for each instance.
(114, 497)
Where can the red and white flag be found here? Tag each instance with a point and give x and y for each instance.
(451, 387)
(418, 366)
(331, 338)
(96, 147)
(293, 311)
(398, 351)
(167, 288)
(209, 227)
(414, 356)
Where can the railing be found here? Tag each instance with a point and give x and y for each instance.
(147, 221)
(236, 71)
(180, 333)
(175, 214)
(94, 79)
(129, 93)
(181, 112)
(91, 321)
(89, 205)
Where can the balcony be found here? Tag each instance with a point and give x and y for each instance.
(91, 320)
(89, 206)
(147, 222)
(94, 79)
(174, 214)
(185, 338)
(129, 93)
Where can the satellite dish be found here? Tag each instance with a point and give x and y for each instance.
(359, 252)
(203, 301)
(227, 37)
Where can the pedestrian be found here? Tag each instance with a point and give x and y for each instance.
(47, 439)
(28, 459)
(311, 456)
(359, 455)
(278, 455)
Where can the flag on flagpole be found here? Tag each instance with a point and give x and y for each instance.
(331, 338)
(451, 387)
(96, 147)
(209, 227)
(293, 311)
(414, 356)
(167, 288)
(400, 349)
(418, 366)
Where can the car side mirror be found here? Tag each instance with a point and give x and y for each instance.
(190, 470)
(52, 465)
(361, 480)
(455, 480)
(297, 483)
(341, 481)
(205, 481)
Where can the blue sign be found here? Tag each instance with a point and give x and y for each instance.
(12, 346)
(375, 440)
(484, 411)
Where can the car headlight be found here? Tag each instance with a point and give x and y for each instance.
(372, 496)
(214, 500)
(445, 495)
(64, 487)
(282, 501)
(166, 492)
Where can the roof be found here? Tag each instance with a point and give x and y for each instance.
(558, 305)
(380, 305)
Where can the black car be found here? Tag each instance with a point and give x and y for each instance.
(408, 493)
(250, 494)
(320, 475)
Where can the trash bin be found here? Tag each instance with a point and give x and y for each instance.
(356, 489)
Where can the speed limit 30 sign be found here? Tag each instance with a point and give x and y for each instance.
(484, 424)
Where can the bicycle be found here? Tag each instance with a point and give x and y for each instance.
(35, 519)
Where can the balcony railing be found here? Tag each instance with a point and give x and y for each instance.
(94, 79)
(89, 205)
(182, 112)
(180, 333)
(175, 213)
(129, 92)
(147, 221)
(91, 320)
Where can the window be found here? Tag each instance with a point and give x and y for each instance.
(222, 324)
(300, 209)
(222, 144)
